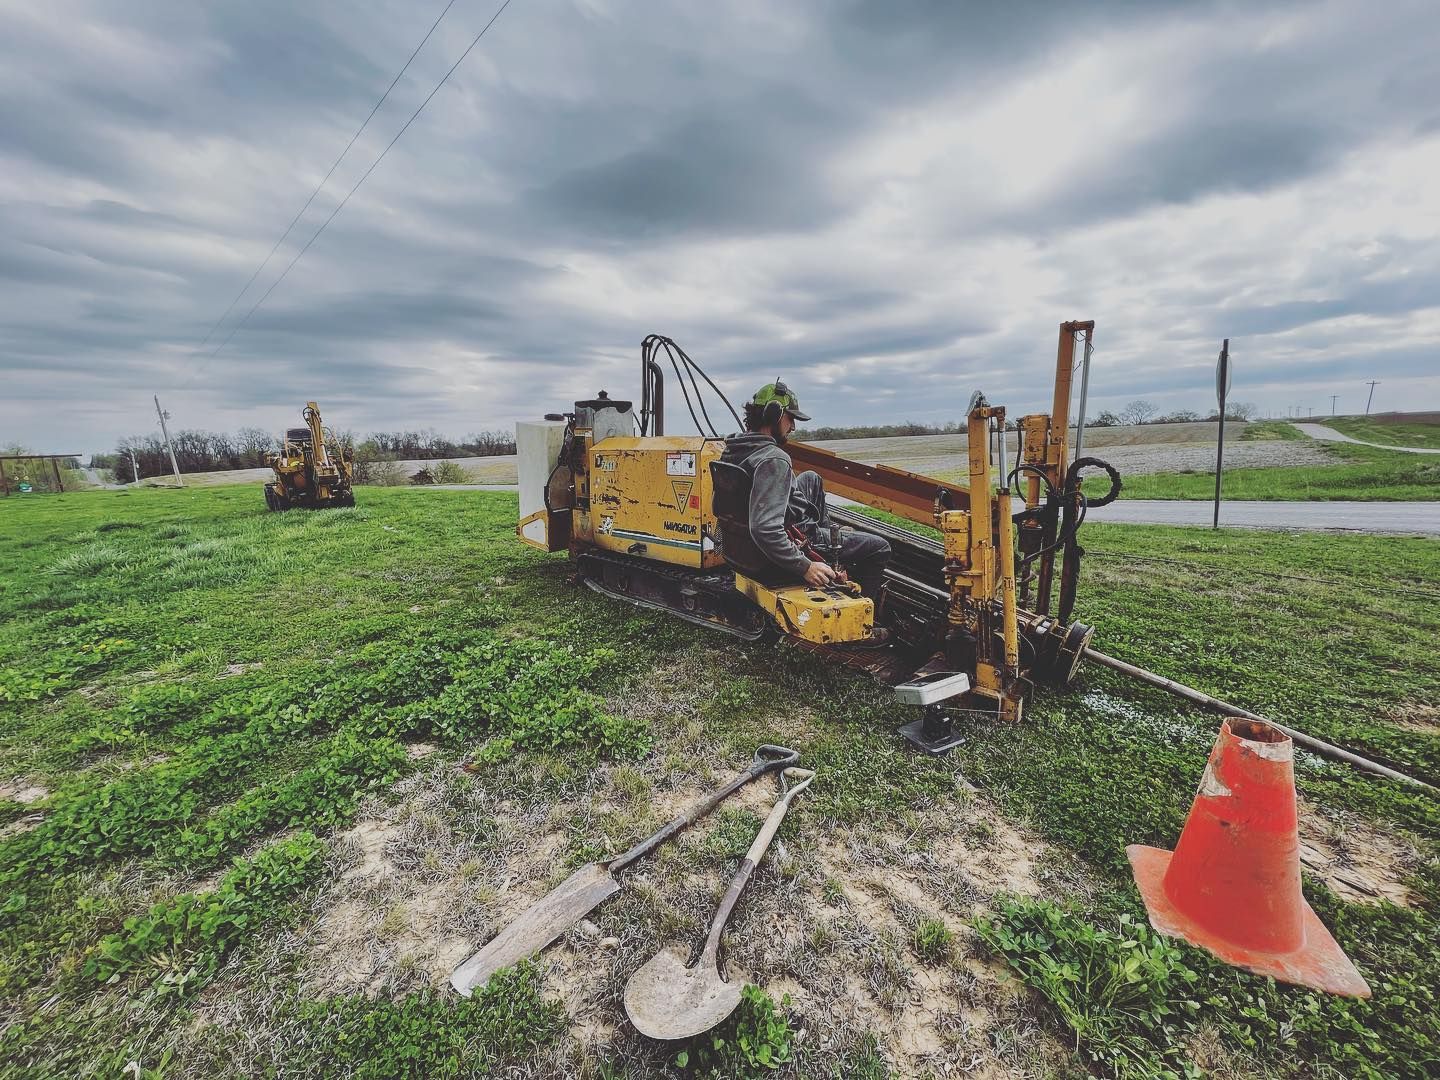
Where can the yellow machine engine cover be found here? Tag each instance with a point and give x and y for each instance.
(650, 496)
(824, 616)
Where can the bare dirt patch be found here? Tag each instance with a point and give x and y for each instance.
(231, 670)
(20, 825)
(827, 921)
(1422, 718)
(426, 880)
(1359, 860)
(23, 791)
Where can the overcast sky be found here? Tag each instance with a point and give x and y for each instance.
(890, 204)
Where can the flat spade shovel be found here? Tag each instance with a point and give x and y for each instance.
(667, 1000)
(582, 891)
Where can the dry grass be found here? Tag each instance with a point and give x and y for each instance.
(1362, 862)
(445, 859)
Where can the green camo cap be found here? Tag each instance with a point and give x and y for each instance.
(781, 394)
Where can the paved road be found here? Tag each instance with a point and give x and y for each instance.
(1412, 518)
(1325, 434)
(1375, 517)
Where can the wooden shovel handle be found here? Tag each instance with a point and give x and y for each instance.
(752, 859)
(767, 758)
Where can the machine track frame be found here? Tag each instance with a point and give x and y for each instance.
(704, 597)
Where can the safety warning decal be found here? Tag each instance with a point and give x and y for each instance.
(680, 463)
(682, 492)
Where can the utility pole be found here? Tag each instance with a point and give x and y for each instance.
(1222, 390)
(134, 466)
(1333, 398)
(166, 432)
(1373, 383)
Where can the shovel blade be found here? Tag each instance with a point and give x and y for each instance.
(538, 925)
(667, 1000)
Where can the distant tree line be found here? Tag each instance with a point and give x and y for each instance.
(878, 431)
(413, 445)
(251, 448)
(195, 451)
(1141, 411)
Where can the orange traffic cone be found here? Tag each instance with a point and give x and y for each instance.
(1232, 885)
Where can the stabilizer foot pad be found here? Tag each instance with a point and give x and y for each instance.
(934, 737)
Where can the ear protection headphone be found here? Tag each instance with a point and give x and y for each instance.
(773, 409)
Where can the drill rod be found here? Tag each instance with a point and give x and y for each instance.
(1309, 742)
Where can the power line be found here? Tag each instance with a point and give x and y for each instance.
(324, 224)
(323, 180)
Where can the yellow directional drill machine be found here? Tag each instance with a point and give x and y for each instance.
(643, 515)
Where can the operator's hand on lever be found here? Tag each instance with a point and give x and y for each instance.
(820, 575)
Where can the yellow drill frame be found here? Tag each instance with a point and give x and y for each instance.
(975, 523)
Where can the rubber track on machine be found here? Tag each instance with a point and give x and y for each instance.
(680, 576)
(885, 664)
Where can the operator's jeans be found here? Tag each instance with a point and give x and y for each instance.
(864, 555)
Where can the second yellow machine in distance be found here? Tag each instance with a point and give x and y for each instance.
(308, 472)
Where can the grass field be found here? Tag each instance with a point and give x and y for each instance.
(237, 839)
(1392, 429)
(1361, 473)
(1271, 430)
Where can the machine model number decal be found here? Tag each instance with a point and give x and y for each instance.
(681, 527)
(604, 463)
(681, 463)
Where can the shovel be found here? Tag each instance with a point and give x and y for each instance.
(667, 1000)
(582, 891)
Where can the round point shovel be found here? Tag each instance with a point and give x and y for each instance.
(667, 1000)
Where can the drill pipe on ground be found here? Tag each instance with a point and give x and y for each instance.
(1309, 742)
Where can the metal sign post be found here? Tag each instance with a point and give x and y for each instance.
(1222, 391)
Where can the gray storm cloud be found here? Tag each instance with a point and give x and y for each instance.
(889, 204)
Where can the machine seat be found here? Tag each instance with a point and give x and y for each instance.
(730, 500)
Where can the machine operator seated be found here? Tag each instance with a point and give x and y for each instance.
(763, 546)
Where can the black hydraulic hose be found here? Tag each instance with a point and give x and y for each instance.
(1073, 478)
(652, 405)
(699, 398)
(1036, 470)
(684, 391)
(1063, 536)
(1309, 742)
(711, 383)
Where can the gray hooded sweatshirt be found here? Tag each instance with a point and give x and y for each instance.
(772, 480)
